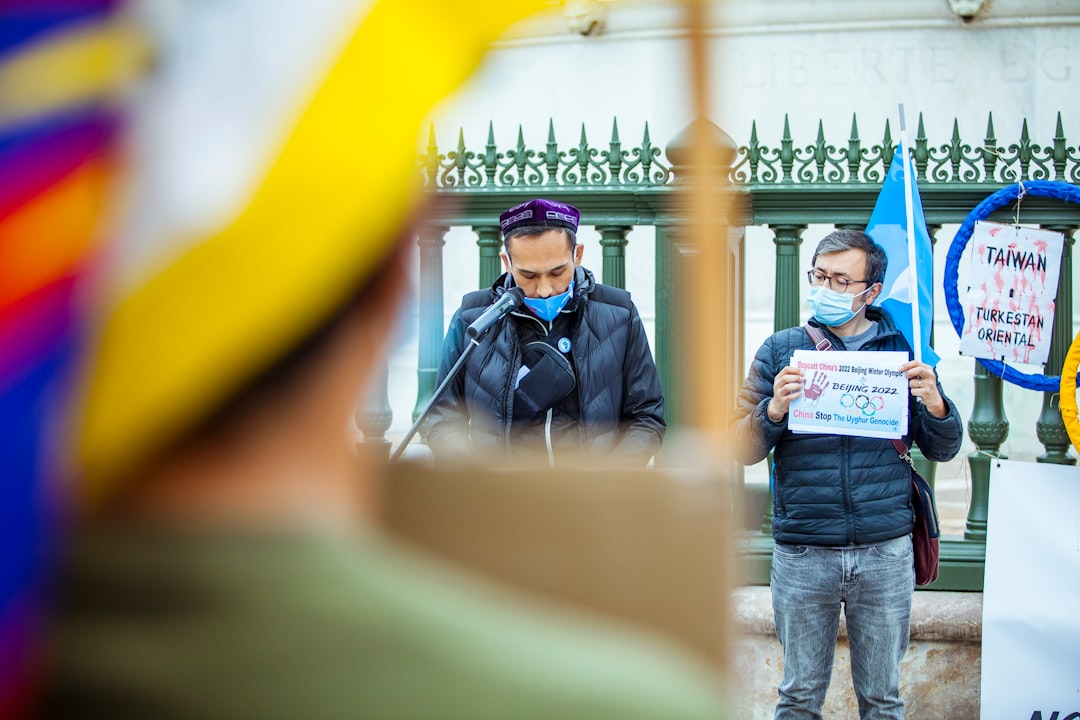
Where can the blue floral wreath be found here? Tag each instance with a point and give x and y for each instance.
(1042, 188)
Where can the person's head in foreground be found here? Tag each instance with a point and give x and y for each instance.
(226, 562)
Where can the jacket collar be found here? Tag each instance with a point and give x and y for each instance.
(886, 326)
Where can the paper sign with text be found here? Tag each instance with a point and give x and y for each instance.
(851, 393)
(1009, 311)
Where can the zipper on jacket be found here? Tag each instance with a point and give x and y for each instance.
(508, 400)
(547, 438)
(546, 326)
(845, 484)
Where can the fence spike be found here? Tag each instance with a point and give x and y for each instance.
(955, 150)
(1060, 152)
(615, 152)
(787, 152)
(491, 156)
(990, 150)
(921, 153)
(854, 152)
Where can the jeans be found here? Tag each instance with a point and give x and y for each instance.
(874, 584)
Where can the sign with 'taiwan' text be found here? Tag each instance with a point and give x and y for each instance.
(1009, 312)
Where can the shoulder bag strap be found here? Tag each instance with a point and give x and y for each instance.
(817, 336)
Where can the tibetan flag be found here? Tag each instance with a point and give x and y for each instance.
(907, 292)
(62, 65)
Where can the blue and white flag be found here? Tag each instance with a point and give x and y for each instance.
(888, 228)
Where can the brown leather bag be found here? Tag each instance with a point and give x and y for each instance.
(926, 537)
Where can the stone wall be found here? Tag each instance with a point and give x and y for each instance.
(939, 675)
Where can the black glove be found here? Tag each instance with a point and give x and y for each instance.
(550, 378)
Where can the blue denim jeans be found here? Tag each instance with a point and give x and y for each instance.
(874, 585)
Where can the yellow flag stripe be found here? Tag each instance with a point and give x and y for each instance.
(325, 215)
(85, 63)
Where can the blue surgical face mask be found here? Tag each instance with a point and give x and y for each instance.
(548, 308)
(830, 307)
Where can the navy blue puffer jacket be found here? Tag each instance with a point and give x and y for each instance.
(836, 490)
(619, 405)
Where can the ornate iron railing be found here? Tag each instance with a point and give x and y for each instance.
(756, 165)
(785, 187)
(520, 166)
(950, 162)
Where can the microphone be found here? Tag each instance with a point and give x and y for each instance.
(498, 309)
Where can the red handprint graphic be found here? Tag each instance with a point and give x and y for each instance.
(817, 386)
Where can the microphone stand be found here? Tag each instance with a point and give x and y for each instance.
(488, 319)
(473, 343)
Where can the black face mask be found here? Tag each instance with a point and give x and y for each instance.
(550, 378)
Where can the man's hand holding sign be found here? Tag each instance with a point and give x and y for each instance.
(922, 382)
(853, 393)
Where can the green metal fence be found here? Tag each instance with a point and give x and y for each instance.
(784, 187)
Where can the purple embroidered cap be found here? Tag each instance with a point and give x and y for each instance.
(545, 213)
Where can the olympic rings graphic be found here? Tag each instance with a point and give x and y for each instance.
(867, 405)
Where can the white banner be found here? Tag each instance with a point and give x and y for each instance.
(1009, 310)
(850, 393)
(1031, 594)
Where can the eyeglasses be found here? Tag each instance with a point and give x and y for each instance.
(836, 282)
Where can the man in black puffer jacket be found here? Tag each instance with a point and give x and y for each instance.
(842, 515)
(568, 372)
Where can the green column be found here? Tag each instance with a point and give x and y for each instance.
(489, 240)
(1050, 429)
(662, 295)
(790, 276)
(374, 415)
(430, 336)
(668, 319)
(613, 241)
(987, 428)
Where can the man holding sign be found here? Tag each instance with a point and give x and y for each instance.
(842, 515)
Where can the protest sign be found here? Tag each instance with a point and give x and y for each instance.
(1031, 630)
(1013, 280)
(851, 393)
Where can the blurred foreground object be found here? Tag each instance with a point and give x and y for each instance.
(227, 564)
(643, 545)
(297, 245)
(63, 69)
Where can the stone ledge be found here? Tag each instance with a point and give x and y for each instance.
(939, 676)
(947, 616)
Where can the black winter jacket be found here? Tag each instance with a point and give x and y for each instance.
(836, 490)
(618, 402)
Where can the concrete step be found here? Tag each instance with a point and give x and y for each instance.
(939, 676)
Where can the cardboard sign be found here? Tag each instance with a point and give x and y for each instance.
(851, 393)
(1009, 312)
